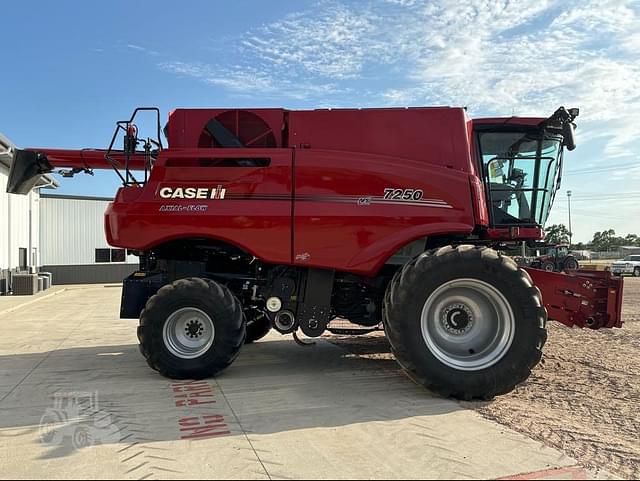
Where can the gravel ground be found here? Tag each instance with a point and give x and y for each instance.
(584, 397)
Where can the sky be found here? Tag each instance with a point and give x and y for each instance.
(70, 69)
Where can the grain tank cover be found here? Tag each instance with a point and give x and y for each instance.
(437, 135)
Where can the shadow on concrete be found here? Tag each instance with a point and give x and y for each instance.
(274, 386)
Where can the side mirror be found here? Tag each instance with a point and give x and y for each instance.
(569, 134)
(562, 120)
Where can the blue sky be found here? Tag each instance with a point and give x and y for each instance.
(70, 69)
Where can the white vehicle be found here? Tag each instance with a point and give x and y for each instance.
(628, 265)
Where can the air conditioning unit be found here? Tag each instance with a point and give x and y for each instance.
(49, 279)
(25, 284)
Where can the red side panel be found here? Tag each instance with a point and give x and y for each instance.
(366, 183)
(343, 220)
(254, 213)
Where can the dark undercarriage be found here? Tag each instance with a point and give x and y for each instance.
(308, 299)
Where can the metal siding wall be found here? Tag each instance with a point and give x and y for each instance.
(4, 216)
(90, 274)
(16, 218)
(19, 228)
(35, 226)
(71, 230)
(14, 226)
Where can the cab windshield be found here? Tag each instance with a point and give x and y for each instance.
(522, 174)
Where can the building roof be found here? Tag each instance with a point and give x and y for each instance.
(75, 197)
(6, 157)
(6, 146)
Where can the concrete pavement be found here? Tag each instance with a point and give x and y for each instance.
(77, 400)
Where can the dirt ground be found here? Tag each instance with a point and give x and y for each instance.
(584, 398)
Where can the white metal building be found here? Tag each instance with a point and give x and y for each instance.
(73, 244)
(63, 235)
(19, 221)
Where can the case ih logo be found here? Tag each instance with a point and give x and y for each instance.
(217, 193)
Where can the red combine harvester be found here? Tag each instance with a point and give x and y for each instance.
(262, 219)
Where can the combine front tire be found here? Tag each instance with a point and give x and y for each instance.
(465, 322)
(191, 329)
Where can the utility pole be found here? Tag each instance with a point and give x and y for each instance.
(570, 229)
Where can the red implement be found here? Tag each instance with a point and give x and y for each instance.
(585, 299)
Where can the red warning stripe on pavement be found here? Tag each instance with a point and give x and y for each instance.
(572, 473)
(194, 395)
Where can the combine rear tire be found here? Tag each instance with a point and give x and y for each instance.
(465, 322)
(191, 329)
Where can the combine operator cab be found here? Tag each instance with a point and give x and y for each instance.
(261, 220)
(522, 167)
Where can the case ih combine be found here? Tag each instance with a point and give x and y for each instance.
(264, 219)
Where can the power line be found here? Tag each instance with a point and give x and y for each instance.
(595, 216)
(620, 196)
(606, 168)
(583, 213)
(609, 199)
(614, 195)
(590, 194)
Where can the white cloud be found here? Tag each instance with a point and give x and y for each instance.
(138, 48)
(247, 80)
(496, 57)
(330, 44)
(529, 57)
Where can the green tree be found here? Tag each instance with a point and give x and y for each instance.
(557, 234)
(605, 240)
(632, 240)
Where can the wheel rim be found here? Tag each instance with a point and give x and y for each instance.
(188, 333)
(468, 324)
